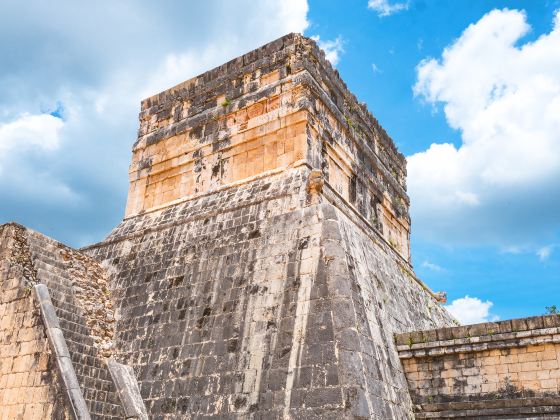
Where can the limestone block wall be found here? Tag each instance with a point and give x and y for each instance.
(253, 302)
(28, 382)
(80, 296)
(508, 368)
(239, 120)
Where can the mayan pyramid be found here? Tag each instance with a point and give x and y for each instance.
(260, 271)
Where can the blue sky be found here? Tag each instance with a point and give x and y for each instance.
(508, 254)
(468, 89)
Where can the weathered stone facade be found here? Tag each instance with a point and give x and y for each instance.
(257, 310)
(262, 266)
(508, 369)
(27, 386)
(279, 106)
(260, 272)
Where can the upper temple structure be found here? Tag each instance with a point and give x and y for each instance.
(262, 271)
(279, 109)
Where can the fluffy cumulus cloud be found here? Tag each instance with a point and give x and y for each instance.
(500, 184)
(387, 7)
(64, 172)
(469, 310)
(29, 131)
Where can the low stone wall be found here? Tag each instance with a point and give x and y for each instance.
(498, 369)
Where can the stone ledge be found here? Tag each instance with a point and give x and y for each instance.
(479, 337)
(485, 408)
(217, 190)
(465, 346)
(195, 86)
(203, 116)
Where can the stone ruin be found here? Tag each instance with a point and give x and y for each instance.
(262, 271)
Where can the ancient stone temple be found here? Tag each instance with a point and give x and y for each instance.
(261, 271)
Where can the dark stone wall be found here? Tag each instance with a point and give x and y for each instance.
(376, 296)
(252, 303)
(208, 296)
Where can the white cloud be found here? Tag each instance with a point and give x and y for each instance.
(431, 266)
(40, 131)
(333, 48)
(544, 252)
(386, 7)
(499, 186)
(30, 135)
(375, 68)
(69, 178)
(468, 310)
(513, 250)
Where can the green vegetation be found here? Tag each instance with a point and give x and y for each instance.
(552, 310)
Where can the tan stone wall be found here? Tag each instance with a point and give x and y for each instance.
(530, 368)
(262, 136)
(31, 385)
(505, 364)
(26, 379)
